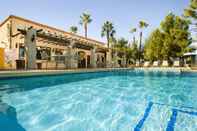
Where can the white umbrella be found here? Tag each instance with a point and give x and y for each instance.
(193, 45)
(191, 53)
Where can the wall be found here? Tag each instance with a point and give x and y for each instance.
(2, 62)
(5, 44)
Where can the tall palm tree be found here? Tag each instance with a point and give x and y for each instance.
(132, 31)
(85, 20)
(142, 25)
(108, 31)
(73, 29)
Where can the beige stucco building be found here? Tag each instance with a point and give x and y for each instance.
(25, 44)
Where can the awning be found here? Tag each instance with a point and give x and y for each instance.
(191, 53)
(193, 45)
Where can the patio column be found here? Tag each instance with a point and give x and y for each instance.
(116, 59)
(86, 62)
(93, 58)
(30, 48)
(124, 61)
(109, 58)
(71, 56)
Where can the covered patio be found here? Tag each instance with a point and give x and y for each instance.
(191, 57)
(45, 50)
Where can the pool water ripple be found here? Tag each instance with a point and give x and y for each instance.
(115, 102)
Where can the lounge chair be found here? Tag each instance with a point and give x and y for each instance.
(176, 63)
(137, 63)
(165, 63)
(146, 64)
(155, 63)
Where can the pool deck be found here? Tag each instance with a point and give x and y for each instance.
(23, 73)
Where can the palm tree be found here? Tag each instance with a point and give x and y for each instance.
(108, 31)
(142, 25)
(132, 31)
(85, 20)
(73, 29)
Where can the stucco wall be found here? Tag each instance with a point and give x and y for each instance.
(5, 41)
(5, 35)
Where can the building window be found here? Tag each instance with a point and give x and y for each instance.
(59, 52)
(21, 52)
(43, 53)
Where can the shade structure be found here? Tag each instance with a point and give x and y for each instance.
(191, 53)
(193, 45)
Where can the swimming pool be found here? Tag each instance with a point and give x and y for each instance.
(101, 101)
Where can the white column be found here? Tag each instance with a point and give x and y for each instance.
(86, 62)
(71, 57)
(116, 59)
(30, 46)
(124, 61)
(109, 58)
(93, 58)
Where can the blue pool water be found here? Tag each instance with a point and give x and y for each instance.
(105, 101)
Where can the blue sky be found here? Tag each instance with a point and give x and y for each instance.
(125, 14)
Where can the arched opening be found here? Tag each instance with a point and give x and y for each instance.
(81, 59)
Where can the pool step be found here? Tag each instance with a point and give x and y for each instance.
(162, 117)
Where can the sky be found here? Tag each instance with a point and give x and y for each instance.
(124, 14)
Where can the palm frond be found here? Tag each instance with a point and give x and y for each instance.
(133, 30)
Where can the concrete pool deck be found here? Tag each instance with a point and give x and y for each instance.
(23, 73)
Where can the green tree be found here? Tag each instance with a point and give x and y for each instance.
(73, 29)
(134, 51)
(176, 36)
(85, 20)
(191, 11)
(131, 53)
(108, 31)
(142, 25)
(121, 43)
(170, 41)
(191, 14)
(122, 47)
(153, 46)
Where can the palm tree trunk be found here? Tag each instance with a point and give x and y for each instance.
(140, 46)
(86, 30)
(108, 39)
(133, 39)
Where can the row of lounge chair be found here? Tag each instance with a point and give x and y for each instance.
(163, 64)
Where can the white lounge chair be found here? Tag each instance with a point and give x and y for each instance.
(176, 63)
(165, 63)
(137, 63)
(146, 64)
(155, 63)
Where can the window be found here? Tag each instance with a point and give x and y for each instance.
(43, 53)
(21, 52)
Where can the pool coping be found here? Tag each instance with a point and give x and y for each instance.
(28, 73)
